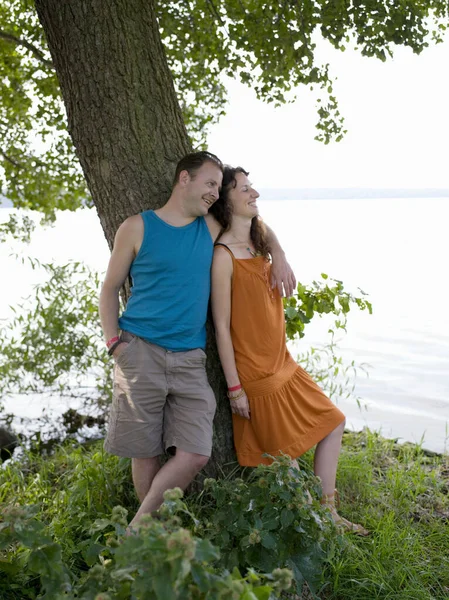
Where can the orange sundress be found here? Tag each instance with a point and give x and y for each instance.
(289, 411)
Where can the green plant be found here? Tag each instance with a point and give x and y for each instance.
(18, 227)
(268, 520)
(399, 492)
(72, 487)
(336, 376)
(324, 363)
(53, 345)
(162, 561)
(320, 298)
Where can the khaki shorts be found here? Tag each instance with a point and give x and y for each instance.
(161, 399)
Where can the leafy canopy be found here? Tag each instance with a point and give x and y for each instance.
(268, 45)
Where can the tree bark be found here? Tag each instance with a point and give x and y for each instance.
(126, 125)
(122, 111)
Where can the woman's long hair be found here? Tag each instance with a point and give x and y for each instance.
(222, 211)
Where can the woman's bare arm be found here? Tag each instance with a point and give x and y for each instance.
(222, 270)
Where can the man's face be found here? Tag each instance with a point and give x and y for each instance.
(203, 188)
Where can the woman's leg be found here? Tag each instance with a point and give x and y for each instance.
(325, 467)
(326, 459)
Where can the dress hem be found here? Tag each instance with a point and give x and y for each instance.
(254, 459)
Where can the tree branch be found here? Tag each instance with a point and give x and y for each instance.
(11, 160)
(22, 165)
(215, 12)
(19, 42)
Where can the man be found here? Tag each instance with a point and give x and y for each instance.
(162, 398)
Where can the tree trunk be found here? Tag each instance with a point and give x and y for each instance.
(126, 125)
(122, 111)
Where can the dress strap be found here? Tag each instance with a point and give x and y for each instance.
(226, 247)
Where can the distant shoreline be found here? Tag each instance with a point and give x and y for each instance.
(331, 194)
(350, 193)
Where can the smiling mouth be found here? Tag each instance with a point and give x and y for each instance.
(208, 202)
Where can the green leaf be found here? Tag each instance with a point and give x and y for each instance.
(263, 592)
(45, 559)
(308, 567)
(92, 553)
(271, 524)
(268, 540)
(291, 312)
(100, 525)
(201, 577)
(287, 517)
(9, 568)
(205, 551)
(163, 586)
(248, 595)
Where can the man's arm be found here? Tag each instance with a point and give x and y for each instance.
(282, 275)
(213, 225)
(126, 244)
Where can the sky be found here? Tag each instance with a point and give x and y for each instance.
(395, 113)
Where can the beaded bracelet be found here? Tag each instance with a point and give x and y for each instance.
(238, 396)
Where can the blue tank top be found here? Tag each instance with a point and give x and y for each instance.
(170, 285)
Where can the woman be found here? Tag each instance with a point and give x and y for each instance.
(276, 406)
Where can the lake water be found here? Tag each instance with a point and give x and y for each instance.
(395, 249)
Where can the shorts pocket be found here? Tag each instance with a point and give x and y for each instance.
(125, 353)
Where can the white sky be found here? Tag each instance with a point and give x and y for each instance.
(396, 115)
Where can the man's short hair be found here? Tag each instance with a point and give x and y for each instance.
(194, 161)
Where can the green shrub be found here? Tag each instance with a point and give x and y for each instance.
(269, 520)
(69, 539)
(53, 345)
(162, 561)
(70, 489)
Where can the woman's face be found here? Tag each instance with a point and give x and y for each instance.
(243, 197)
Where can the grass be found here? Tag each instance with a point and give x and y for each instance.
(399, 492)
(72, 487)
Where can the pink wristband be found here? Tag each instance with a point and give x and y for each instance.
(112, 341)
(234, 388)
